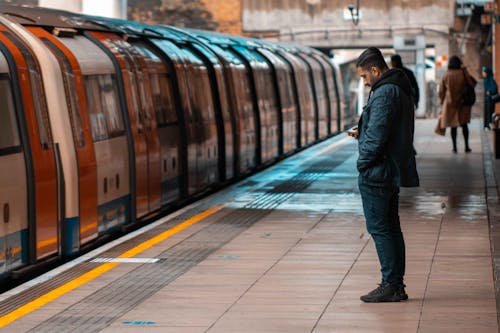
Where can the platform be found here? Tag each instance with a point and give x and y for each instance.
(286, 250)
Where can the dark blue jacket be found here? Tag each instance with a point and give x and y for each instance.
(490, 86)
(386, 128)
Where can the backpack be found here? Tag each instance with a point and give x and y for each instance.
(468, 95)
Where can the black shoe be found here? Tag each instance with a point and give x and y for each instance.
(402, 293)
(467, 150)
(385, 293)
(454, 150)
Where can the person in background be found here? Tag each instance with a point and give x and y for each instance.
(396, 62)
(490, 90)
(386, 161)
(453, 113)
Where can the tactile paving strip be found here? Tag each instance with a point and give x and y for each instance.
(38, 290)
(103, 307)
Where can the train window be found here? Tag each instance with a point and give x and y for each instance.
(102, 99)
(9, 135)
(243, 94)
(283, 72)
(37, 93)
(71, 95)
(160, 108)
(132, 55)
(223, 93)
(161, 86)
(162, 98)
(199, 87)
(136, 108)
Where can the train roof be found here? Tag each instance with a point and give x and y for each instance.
(128, 27)
(47, 17)
(212, 37)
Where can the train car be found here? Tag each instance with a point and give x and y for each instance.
(241, 105)
(264, 97)
(204, 134)
(108, 122)
(225, 122)
(88, 142)
(28, 188)
(199, 115)
(75, 162)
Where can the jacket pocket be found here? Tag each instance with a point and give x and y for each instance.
(382, 172)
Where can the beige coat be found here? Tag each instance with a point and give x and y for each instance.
(452, 113)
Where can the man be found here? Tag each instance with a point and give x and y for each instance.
(396, 62)
(386, 161)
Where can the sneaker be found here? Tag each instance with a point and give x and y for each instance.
(401, 292)
(385, 293)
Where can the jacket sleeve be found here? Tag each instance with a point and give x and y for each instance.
(377, 130)
(442, 90)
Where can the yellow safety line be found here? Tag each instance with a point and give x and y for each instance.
(101, 269)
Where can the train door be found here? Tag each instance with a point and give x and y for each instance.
(321, 96)
(196, 139)
(13, 177)
(168, 125)
(223, 116)
(42, 238)
(311, 82)
(267, 107)
(139, 173)
(287, 100)
(333, 94)
(72, 134)
(305, 97)
(242, 112)
(143, 88)
(203, 108)
(99, 89)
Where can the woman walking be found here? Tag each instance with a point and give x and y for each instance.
(453, 112)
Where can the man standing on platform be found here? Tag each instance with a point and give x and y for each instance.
(386, 161)
(396, 62)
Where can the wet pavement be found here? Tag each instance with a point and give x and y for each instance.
(289, 252)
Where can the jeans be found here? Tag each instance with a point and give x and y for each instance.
(381, 208)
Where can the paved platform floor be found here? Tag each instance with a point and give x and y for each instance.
(302, 266)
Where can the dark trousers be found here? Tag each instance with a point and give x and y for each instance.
(381, 208)
(465, 131)
(489, 108)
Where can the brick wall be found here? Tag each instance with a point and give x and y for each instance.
(227, 13)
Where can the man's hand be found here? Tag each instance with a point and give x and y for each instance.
(353, 132)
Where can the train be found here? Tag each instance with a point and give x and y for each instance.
(108, 123)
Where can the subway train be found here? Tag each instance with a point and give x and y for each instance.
(108, 123)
